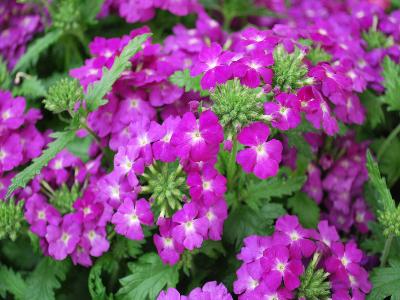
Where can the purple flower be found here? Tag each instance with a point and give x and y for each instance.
(10, 152)
(63, 238)
(129, 217)
(127, 162)
(281, 267)
(11, 111)
(87, 208)
(251, 69)
(332, 81)
(39, 214)
(81, 256)
(215, 215)
(285, 114)
(170, 294)
(95, 239)
(249, 279)
(58, 165)
(191, 229)
(327, 234)
(290, 233)
(199, 139)
(213, 62)
(208, 185)
(261, 158)
(168, 248)
(210, 290)
(163, 149)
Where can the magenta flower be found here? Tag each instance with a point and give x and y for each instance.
(281, 267)
(213, 62)
(332, 81)
(290, 233)
(163, 149)
(134, 106)
(208, 185)
(254, 247)
(10, 152)
(127, 162)
(168, 248)
(345, 258)
(170, 294)
(58, 165)
(11, 111)
(63, 238)
(129, 217)
(210, 290)
(261, 158)
(199, 139)
(39, 214)
(215, 215)
(95, 239)
(81, 256)
(327, 234)
(285, 114)
(87, 207)
(114, 188)
(251, 69)
(191, 229)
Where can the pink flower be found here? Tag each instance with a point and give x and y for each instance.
(63, 238)
(127, 162)
(163, 149)
(94, 238)
(213, 62)
(10, 152)
(249, 279)
(281, 267)
(285, 114)
(208, 185)
(129, 217)
(261, 158)
(191, 229)
(168, 248)
(215, 215)
(199, 139)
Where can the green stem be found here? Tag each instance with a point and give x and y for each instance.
(387, 142)
(386, 250)
(92, 133)
(232, 167)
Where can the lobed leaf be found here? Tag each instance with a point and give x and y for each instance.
(391, 75)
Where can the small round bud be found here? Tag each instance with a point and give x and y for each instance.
(63, 95)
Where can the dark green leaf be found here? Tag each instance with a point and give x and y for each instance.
(391, 75)
(373, 105)
(35, 49)
(147, 278)
(305, 208)
(12, 283)
(31, 87)
(385, 282)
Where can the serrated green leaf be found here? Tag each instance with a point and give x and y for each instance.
(31, 87)
(147, 278)
(390, 162)
(373, 105)
(183, 80)
(258, 192)
(80, 147)
(385, 197)
(244, 221)
(391, 75)
(62, 139)
(12, 282)
(305, 208)
(36, 48)
(46, 278)
(212, 249)
(385, 282)
(95, 284)
(98, 90)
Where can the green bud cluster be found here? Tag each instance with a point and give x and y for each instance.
(314, 283)
(166, 185)
(64, 198)
(289, 70)
(67, 16)
(11, 219)
(63, 95)
(237, 105)
(390, 219)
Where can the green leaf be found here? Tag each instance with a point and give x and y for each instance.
(12, 282)
(31, 87)
(385, 198)
(385, 282)
(80, 147)
(62, 139)
(258, 192)
(391, 75)
(390, 162)
(36, 48)
(148, 277)
(305, 208)
(317, 55)
(90, 9)
(97, 91)
(95, 284)
(244, 221)
(373, 106)
(212, 249)
(46, 278)
(183, 80)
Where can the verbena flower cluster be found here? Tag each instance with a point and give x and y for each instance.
(18, 24)
(283, 265)
(210, 290)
